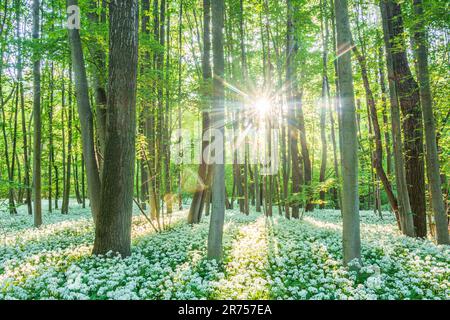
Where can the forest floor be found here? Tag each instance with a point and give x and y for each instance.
(264, 259)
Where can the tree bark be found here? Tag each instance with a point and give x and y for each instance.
(98, 57)
(36, 120)
(387, 138)
(86, 118)
(350, 198)
(113, 228)
(66, 190)
(22, 113)
(433, 171)
(408, 95)
(196, 209)
(324, 104)
(407, 225)
(218, 186)
(291, 78)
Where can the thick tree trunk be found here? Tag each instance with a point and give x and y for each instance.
(407, 225)
(350, 203)
(408, 95)
(113, 228)
(433, 172)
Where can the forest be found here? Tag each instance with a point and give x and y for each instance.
(224, 149)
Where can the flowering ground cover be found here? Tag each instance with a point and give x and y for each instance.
(264, 259)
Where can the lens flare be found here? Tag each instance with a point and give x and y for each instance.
(262, 105)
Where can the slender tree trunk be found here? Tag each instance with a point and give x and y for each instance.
(77, 180)
(196, 209)
(86, 118)
(243, 114)
(433, 172)
(83, 185)
(378, 154)
(36, 119)
(387, 138)
(167, 124)
(350, 203)
(98, 57)
(9, 167)
(27, 180)
(50, 139)
(257, 189)
(66, 191)
(145, 115)
(292, 103)
(218, 187)
(325, 102)
(180, 45)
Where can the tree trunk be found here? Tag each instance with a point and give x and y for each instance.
(9, 167)
(218, 186)
(196, 209)
(113, 228)
(336, 108)
(408, 95)
(350, 203)
(180, 57)
(433, 172)
(36, 119)
(325, 103)
(400, 174)
(292, 48)
(86, 118)
(144, 116)
(50, 139)
(27, 180)
(98, 57)
(387, 138)
(66, 191)
(167, 125)
(378, 154)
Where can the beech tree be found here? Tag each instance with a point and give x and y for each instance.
(350, 201)
(218, 181)
(36, 120)
(113, 223)
(433, 171)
